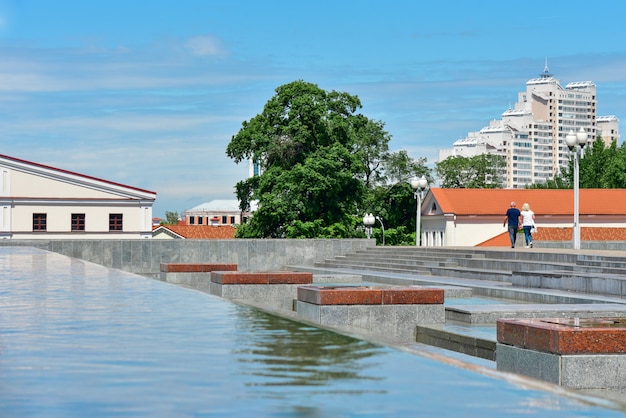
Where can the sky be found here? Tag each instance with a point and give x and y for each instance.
(150, 93)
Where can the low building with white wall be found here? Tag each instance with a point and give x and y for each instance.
(43, 202)
(469, 217)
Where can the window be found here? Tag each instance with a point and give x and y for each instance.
(78, 221)
(232, 220)
(192, 220)
(200, 220)
(39, 221)
(223, 219)
(115, 221)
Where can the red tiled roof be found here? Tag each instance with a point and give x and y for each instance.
(201, 232)
(541, 201)
(561, 234)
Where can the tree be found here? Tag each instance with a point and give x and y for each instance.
(391, 197)
(171, 218)
(482, 171)
(317, 155)
(600, 167)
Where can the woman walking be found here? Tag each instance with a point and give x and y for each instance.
(528, 222)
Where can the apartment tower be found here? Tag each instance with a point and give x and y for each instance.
(531, 135)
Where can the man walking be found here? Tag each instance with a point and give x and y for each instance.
(512, 217)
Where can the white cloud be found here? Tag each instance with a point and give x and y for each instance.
(205, 46)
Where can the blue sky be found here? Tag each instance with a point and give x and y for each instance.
(149, 93)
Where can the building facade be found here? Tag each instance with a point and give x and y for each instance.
(531, 135)
(469, 217)
(42, 202)
(217, 212)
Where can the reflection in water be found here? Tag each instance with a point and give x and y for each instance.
(283, 352)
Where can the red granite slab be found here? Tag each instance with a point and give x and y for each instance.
(340, 295)
(196, 267)
(412, 295)
(369, 295)
(565, 335)
(236, 277)
(272, 277)
(289, 277)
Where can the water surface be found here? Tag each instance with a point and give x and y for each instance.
(82, 340)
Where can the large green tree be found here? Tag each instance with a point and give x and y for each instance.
(317, 155)
(482, 171)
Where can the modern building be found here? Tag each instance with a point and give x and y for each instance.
(608, 129)
(217, 212)
(43, 202)
(471, 217)
(531, 135)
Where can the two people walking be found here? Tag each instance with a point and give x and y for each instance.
(514, 218)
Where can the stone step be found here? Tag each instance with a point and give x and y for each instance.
(489, 314)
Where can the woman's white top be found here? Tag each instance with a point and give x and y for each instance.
(527, 218)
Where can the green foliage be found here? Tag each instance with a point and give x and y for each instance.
(397, 236)
(323, 166)
(479, 172)
(600, 168)
(171, 218)
(313, 150)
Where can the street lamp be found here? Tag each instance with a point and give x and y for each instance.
(418, 185)
(368, 221)
(572, 139)
(383, 227)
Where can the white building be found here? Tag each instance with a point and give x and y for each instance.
(42, 202)
(531, 136)
(608, 129)
(218, 212)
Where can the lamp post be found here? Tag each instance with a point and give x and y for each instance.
(368, 221)
(418, 185)
(572, 139)
(383, 227)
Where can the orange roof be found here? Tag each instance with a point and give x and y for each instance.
(200, 231)
(561, 234)
(541, 201)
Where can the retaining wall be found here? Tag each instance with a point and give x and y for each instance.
(144, 256)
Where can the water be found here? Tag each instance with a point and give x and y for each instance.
(81, 340)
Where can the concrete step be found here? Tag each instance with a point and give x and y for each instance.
(489, 314)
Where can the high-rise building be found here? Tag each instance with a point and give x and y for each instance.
(531, 135)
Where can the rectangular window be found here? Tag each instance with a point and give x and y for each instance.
(39, 221)
(224, 219)
(199, 220)
(78, 221)
(115, 221)
(192, 220)
(232, 220)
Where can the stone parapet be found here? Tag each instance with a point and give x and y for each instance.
(580, 353)
(194, 275)
(275, 289)
(267, 277)
(196, 267)
(389, 311)
(565, 335)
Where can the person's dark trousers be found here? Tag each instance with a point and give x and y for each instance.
(513, 235)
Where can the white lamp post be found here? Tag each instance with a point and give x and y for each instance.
(418, 185)
(572, 139)
(383, 227)
(368, 221)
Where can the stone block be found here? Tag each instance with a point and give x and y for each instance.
(565, 335)
(196, 267)
(535, 364)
